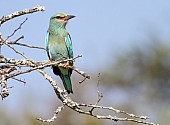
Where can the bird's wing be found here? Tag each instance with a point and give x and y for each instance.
(69, 45)
(46, 44)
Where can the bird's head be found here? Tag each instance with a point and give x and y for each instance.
(61, 19)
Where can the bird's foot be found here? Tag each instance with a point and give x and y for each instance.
(1, 56)
(49, 61)
(65, 65)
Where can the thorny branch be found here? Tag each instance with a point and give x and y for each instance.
(11, 69)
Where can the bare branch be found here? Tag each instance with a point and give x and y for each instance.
(83, 80)
(25, 45)
(62, 95)
(16, 51)
(17, 29)
(19, 80)
(20, 44)
(114, 110)
(76, 106)
(80, 72)
(4, 90)
(20, 13)
(58, 110)
(41, 65)
(100, 95)
(4, 69)
(22, 37)
(5, 40)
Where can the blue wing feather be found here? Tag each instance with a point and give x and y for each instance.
(46, 44)
(69, 45)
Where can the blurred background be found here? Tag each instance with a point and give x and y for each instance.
(127, 42)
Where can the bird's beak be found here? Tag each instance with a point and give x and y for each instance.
(70, 17)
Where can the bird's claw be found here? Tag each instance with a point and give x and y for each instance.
(65, 65)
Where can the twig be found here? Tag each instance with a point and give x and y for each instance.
(41, 65)
(76, 106)
(80, 72)
(4, 41)
(99, 95)
(16, 29)
(25, 45)
(4, 90)
(114, 110)
(20, 44)
(21, 37)
(77, 70)
(19, 80)
(16, 51)
(4, 69)
(22, 72)
(58, 110)
(20, 13)
(81, 81)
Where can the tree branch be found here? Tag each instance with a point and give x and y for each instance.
(16, 29)
(58, 110)
(20, 13)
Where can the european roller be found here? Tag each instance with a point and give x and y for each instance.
(59, 47)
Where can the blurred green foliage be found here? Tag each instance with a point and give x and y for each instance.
(146, 66)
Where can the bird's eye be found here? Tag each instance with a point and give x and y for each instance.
(59, 17)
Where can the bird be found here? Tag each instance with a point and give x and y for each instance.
(59, 46)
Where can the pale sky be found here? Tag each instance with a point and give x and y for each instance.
(100, 31)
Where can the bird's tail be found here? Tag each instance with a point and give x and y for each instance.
(67, 83)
